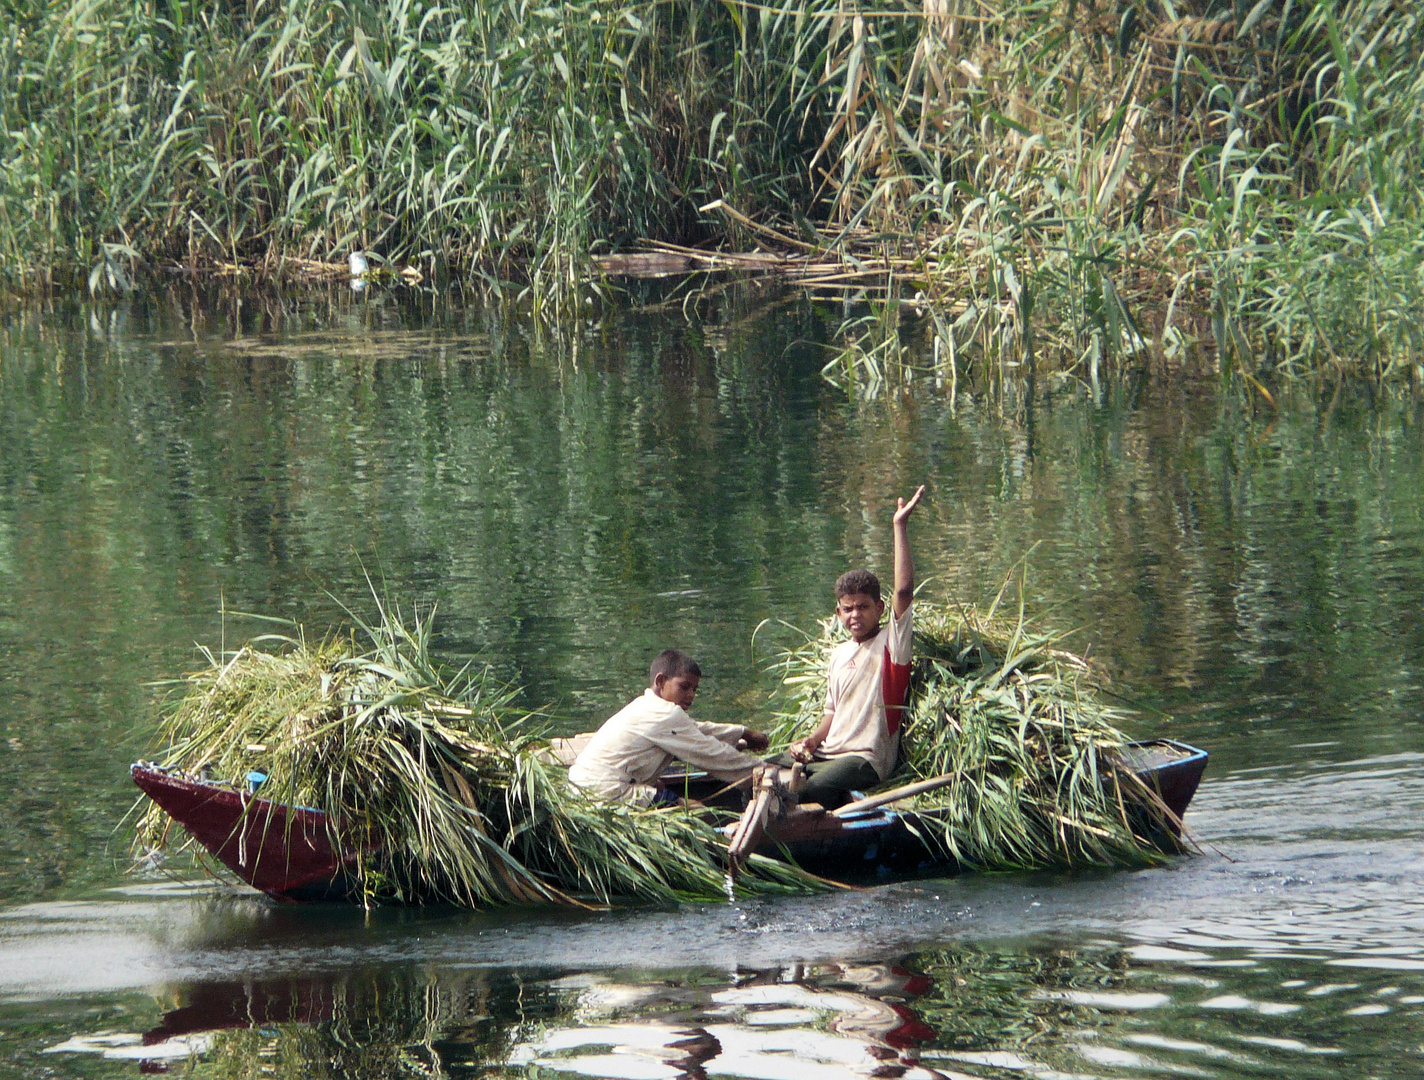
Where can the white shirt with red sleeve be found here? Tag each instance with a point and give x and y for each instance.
(636, 744)
(866, 685)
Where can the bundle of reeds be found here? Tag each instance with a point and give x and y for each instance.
(1032, 747)
(435, 781)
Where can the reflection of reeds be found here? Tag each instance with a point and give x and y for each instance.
(1032, 749)
(982, 999)
(433, 779)
(392, 1025)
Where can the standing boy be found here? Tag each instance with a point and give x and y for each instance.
(636, 744)
(857, 743)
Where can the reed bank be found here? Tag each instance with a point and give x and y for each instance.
(1064, 182)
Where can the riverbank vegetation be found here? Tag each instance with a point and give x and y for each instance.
(1073, 182)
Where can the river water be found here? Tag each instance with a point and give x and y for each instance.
(575, 500)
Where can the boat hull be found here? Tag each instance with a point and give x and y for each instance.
(287, 852)
(882, 842)
(283, 851)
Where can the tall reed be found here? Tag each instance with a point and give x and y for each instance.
(1064, 169)
(1061, 180)
(501, 139)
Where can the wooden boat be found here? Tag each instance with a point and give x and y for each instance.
(287, 852)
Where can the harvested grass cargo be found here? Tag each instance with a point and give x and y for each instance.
(437, 780)
(1035, 752)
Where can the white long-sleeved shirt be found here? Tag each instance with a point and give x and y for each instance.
(636, 744)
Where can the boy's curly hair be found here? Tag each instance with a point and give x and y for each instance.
(858, 581)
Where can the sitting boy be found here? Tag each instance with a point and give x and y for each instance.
(857, 743)
(635, 745)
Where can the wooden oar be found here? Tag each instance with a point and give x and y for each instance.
(752, 824)
(895, 794)
(752, 827)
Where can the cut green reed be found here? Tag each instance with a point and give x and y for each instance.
(1033, 749)
(439, 772)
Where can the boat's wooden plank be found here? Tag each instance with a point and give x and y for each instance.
(909, 791)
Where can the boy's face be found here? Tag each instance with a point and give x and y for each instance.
(860, 613)
(680, 689)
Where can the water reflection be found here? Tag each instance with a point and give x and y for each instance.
(1045, 1008)
(574, 503)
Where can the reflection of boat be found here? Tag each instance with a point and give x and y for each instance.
(759, 1022)
(215, 1006)
(821, 1019)
(288, 853)
(354, 1022)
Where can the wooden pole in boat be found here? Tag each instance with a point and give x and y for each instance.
(895, 794)
(768, 788)
(750, 827)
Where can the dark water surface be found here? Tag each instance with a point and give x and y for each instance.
(574, 503)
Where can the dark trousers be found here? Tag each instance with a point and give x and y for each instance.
(829, 781)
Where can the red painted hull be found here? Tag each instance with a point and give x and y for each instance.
(286, 852)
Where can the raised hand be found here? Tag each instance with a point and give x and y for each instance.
(904, 509)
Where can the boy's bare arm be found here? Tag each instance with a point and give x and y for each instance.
(904, 565)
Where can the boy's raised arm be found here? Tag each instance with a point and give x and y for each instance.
(904, 565)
